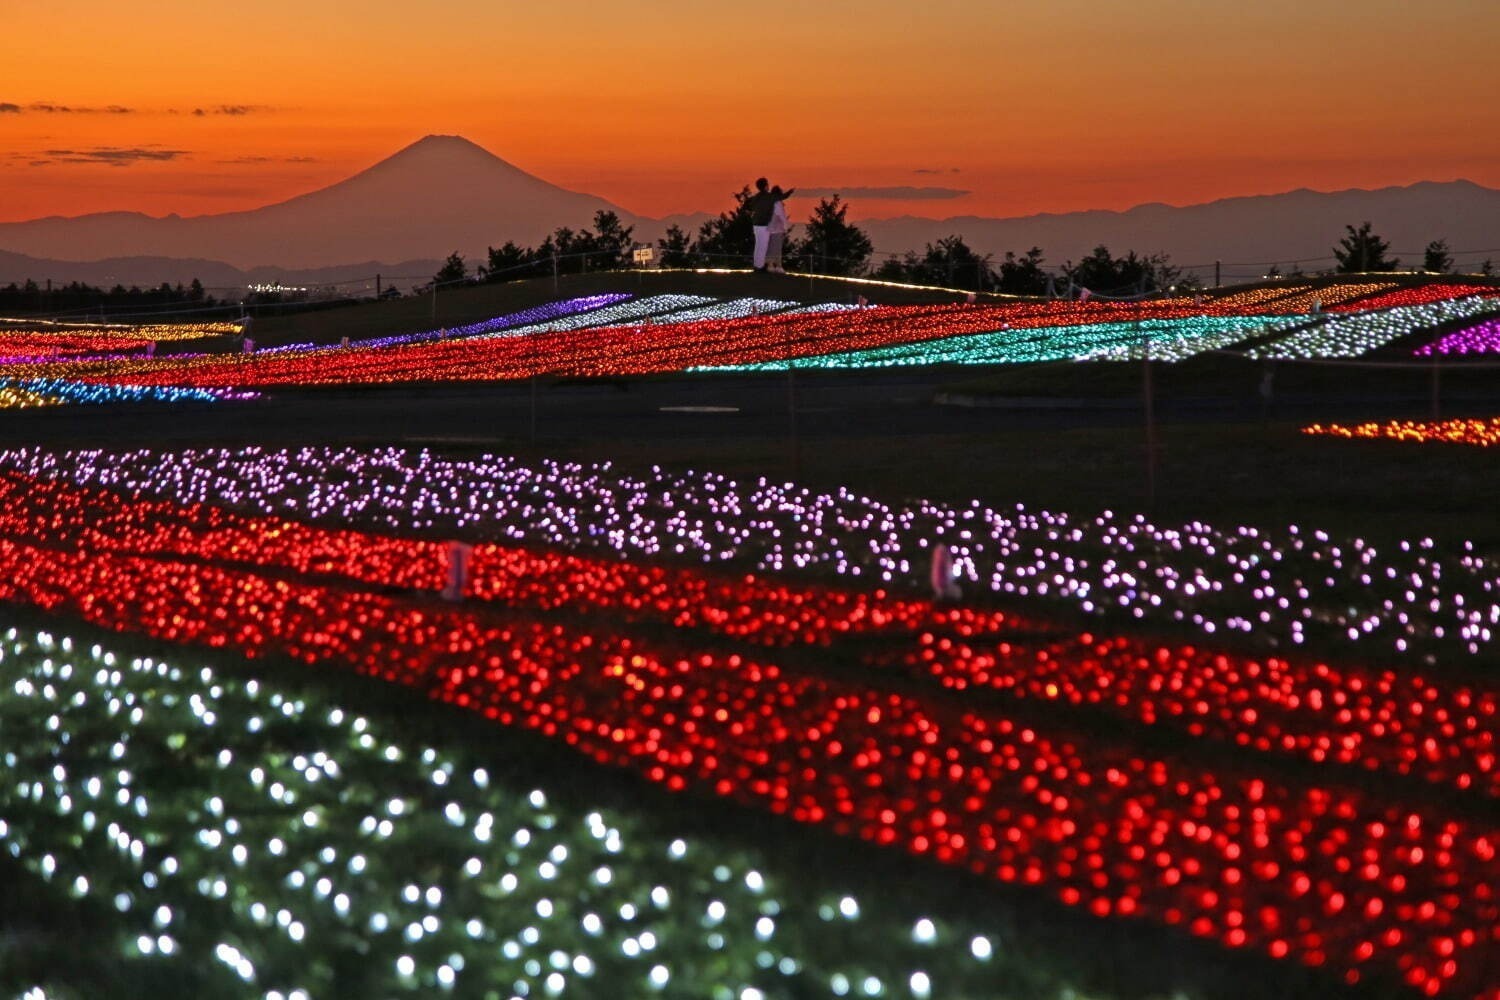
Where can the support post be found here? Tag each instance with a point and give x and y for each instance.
(459, 554)
(534, 358)
(791, 407)
(1437, 378)
(1149, 404)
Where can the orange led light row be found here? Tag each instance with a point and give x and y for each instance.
(1479, 433)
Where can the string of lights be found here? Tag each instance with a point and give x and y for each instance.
(1350, 715)
(597, 337)
(23, 393)
(1279, 589)
(316, 816)
(1321, 874)
(1481, 338)
(1474, 432)
(1301, 298)
(1164, 339)
(1416, 296)
(1350, 335)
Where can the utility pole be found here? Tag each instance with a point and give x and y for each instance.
(1150, 414)
(1437, 377)
(791, 406)
(531, 343)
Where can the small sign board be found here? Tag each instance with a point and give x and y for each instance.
(644, 255)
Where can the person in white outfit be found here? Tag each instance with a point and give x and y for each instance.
(776, 233)
(761, 206)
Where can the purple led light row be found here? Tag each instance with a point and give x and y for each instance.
(1276, 587)
(1481, 338)
(537, 314)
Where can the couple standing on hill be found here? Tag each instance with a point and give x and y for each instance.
(767, 207)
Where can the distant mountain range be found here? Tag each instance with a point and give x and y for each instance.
(444, 193)
(215, 275)
(1245, 235)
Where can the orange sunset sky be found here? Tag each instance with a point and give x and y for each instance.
(664, 106)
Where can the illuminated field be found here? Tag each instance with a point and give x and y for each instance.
(729, 701)
(619, 335)
(675, 733)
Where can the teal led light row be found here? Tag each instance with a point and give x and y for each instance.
(1170, 340)
(86, 393)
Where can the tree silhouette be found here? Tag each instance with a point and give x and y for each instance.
(831, 244)
(949, 263)
(675, 247)
(611, 241)
(1102, 272)
(452, 270)
(1361, 251)
(1437, 258)
(571, 248)
(1023, 275)
(730, 235)
(895, 268)
(504, 263)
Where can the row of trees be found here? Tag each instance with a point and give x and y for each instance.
(605, 247)
(75, 295)
(1362, 250)
(952, 263)
(828, 243)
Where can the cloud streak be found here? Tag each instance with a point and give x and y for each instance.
(48, 108)
(270, 159)
(53, 108)
(900, 192)
(111, 156)
(233, 110)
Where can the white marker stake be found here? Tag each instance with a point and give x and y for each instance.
(944, 586)
(458, 570)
